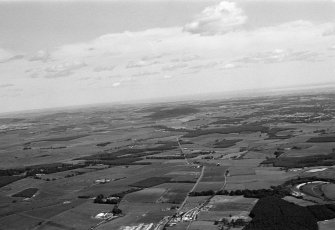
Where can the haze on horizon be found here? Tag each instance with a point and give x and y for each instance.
(62, 53)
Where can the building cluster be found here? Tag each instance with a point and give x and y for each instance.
(190, 215)
(102, 181)
(104, 215)
(141, 226)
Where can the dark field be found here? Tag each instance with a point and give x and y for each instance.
(152, 181)
(27, 193)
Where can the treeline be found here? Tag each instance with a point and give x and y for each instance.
(203, 193)
(166, 157)
(276, 191)
(321, 139)
(227, 130)
(103, 144)
(113, 198)
(190, 155)
(8, 176)
(166, 128)
(44, 168)
(121, 161)
(301, 162)
(52, 168)
(129, 153)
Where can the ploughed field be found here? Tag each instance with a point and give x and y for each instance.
(189, 165)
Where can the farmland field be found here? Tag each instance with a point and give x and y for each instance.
(70, 170)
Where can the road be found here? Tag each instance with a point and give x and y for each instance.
(193, 188)
(225, 182)
(164, 222)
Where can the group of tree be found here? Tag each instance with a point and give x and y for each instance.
(301, 162)
(101, 199)
(113, 198)
(202, 193)
(116, 210)
(44, 168)
(230, 223)
(276, 213)
(277, 191)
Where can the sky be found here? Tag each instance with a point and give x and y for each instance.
(64, 53)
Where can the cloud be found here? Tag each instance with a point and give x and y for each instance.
(205, 66)
(145, 73)
(103, 68)
(329, 32)
(6, 85)
(116, 84)
(229, 66)
(41, 55)
(173, 67)
(280, 55)
(141, 63)
(187, 58)
(218, 19)
(167, 76)
(63, 69)
(7, 56)
(4, 55)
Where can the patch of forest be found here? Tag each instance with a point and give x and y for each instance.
(226, 143)
(321, 139)
(277, 191)
(277, 214)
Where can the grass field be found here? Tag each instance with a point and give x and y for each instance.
(329, 191)
(326, 225)
(231, 203)
(200, 225)
(152, 181)
(148, 195)
(176, 192)
(215, 173)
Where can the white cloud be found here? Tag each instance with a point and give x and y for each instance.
(141, 63)
(280, 55)
(116, 84)
(229, 66)
(156, 55)
(4, 55)
(217, 19)
(41, 55)
(145, 73)
(103, 68)
(63, 69)
(7, 56)
(173, 67)
(6, 85)
(330, 31)
(167, 76)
